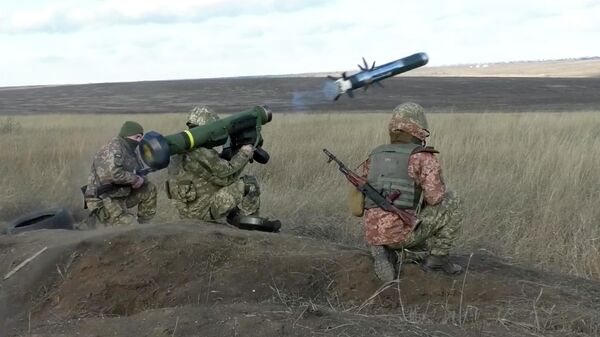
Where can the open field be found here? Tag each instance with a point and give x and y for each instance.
(440, 94)
(553, 68)
(528, 180)
(529, 187)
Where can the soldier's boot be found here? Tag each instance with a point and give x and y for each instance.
(383, 263)
(125, 219)
(441, 263)
(143, 220)
(252, 222)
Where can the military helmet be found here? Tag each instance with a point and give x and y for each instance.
(412, 111)
(410, 118)
(201, 115)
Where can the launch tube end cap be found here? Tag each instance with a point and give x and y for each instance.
(154, 150)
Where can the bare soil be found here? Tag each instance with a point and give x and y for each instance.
(205, 279)
(437, 94)
(586, 67)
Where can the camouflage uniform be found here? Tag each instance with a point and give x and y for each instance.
(439, 210)
(207, 187)
(115, 163)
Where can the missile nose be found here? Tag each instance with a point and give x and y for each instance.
(424, 57)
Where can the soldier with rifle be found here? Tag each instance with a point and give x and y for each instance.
(116, 184)
(403, 198)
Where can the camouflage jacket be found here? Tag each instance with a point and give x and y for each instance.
(115, 163)
(383, 228)
(202, 172)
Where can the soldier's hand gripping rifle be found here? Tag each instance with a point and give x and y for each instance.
(370, 192)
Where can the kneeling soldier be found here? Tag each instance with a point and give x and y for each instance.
(411, 172)
(113, 185)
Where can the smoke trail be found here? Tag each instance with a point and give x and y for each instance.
(305, 99)
(330, 90)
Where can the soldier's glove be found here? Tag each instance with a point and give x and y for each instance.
(251, 187)
(139, 182)
(248, 150)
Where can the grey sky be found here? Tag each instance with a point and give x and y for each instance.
(56, 42)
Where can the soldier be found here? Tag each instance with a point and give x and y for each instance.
(208, 187)
(410, 167)
(113, 185)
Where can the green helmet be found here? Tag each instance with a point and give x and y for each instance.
(201, 115)
(412, 111)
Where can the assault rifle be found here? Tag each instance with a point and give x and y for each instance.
(370, 192)
(105, 188)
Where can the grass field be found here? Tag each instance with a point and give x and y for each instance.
(528, 181)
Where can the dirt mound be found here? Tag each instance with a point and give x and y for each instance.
(212, 280)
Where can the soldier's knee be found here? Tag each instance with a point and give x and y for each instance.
(452, 199)
(148, 192)
(150, 189)
(224, 201)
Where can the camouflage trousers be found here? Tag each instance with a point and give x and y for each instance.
(243, 196)
(109, 212)
(437, 232)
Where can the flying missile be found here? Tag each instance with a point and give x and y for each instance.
(374, 75)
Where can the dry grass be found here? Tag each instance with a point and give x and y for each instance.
(529, 181)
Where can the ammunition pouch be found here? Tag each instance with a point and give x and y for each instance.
(251, 187)
(356, 202)
(182, 190)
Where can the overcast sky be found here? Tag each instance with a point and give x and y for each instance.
(84, 41)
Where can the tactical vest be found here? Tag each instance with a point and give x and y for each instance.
(388, 172)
